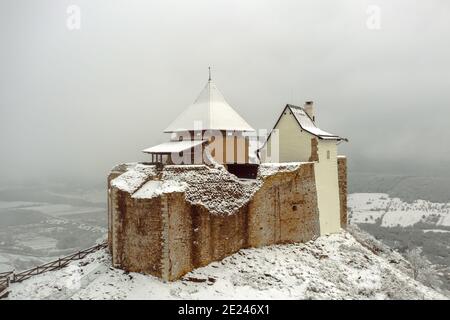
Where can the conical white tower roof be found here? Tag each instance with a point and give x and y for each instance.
(211, 111)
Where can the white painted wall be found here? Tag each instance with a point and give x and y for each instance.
(326, 173)
(295, 146)
(294, 143)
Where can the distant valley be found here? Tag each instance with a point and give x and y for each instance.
(42, 224)
(38, 224)
(404, 226)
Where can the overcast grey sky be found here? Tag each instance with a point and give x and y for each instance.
(75, 103)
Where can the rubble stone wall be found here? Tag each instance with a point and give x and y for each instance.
(114, 174)
(342, 180)
(166, 236)
(284, 209)
(137, 233)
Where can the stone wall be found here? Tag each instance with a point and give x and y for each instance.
(137, 233)
(342, 180)
(166, 236)
(284, 209)
(207, 237)
(114, 174)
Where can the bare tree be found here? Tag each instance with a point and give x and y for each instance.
(417, 261)
(423, 270)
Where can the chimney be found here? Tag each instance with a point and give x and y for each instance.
(309, 109)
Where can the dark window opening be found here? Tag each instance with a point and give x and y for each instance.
(244, 170)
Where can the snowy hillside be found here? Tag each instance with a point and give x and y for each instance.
(406, 226)
(331, 267)
(393, 212)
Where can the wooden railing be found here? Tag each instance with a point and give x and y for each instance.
(11, 276)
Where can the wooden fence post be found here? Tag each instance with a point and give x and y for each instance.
(12, 277)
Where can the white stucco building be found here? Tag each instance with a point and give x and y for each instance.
(296, 138)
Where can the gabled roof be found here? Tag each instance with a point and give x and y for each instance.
(211, 111)
(173, 146)
(305, 123)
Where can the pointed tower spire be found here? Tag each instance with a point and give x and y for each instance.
(209, 71)
(212, 111)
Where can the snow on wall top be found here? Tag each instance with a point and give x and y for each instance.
(133, 178)
(155, 188)
(268, 169)
(213, 188)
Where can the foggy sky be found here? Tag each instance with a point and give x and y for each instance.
(75, 103)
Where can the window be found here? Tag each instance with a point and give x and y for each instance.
(328, 154)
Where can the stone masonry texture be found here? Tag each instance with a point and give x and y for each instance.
(167, 236)
(342, 180)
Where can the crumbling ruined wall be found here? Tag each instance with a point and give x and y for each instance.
(285, 209)
(342, 180)
(166, 236)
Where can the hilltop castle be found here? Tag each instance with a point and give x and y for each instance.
(208, 193)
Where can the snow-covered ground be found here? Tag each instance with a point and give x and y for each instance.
(393, 212)
(331, 267)
(335, 267)
(33, 232)
(57, 210)
(406, 226)
(50, 209)
(9, 260)
(16, 204)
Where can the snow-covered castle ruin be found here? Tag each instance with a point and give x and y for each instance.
(207, 192)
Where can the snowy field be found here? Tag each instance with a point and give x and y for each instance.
(405, 226)
(331, 267)
(39, 225)
(393, 212)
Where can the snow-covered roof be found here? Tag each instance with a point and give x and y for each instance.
(211, 112)
(307, 124)
(173, 146)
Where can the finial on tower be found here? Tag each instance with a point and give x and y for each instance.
(209, 71)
